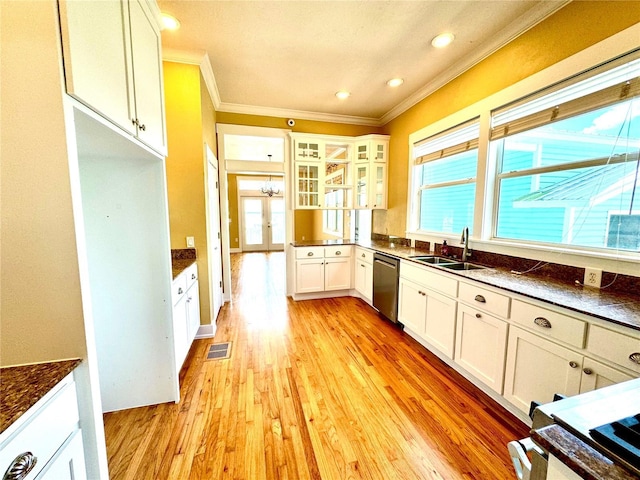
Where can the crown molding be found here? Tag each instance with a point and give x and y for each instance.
(200, 58)
(527, 21)
(297, 114)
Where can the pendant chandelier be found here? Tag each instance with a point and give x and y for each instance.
(269, 187)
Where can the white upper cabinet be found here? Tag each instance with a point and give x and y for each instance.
(113, 64)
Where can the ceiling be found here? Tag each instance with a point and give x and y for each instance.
(289, 58)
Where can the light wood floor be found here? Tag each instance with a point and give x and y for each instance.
(320, 389)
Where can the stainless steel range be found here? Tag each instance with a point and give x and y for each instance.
(606, 419)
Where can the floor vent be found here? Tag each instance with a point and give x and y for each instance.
(219, 351)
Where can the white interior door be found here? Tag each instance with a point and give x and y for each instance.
(262, 223)
(213, 234)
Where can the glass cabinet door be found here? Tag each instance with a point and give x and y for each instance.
(308, 185)
(362, 186)
(309, 151)
(362, 152)
(379, 186)
(380, 151)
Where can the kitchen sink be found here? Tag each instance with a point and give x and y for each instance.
(462, 266)
(435, 260)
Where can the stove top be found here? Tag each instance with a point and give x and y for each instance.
(621, 437)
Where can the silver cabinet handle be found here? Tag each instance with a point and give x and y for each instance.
(21, 466)
(180, 291)
(338, 252)
(478, 315)
(309, 254)
(480, 298)
(193, 276)
(573, 364)
(362, 265)
(363, 255)
(635, 357)
(587, 371)
(542, 322)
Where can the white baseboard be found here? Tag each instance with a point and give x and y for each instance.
(235, 250)
(206, 331)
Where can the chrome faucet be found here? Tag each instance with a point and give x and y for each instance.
(466, 253)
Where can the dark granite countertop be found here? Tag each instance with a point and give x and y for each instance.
(587, 462)
(611, 306)
(180, 265)
(21, 387)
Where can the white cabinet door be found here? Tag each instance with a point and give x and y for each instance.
(412, 306)
(481, 343)
(147, 76)
(180, 331)
(310, 275)
(308, 150)
(378, 185)
(193, 312)
(537, 369)
(596, 375)
(69, 463)
(337, 273)
(95, 62)
(364, 279)
(440, 328)
(307, 185)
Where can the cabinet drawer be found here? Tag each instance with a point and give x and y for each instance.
(45, 432)
(484, 299)
(430, 278)
(549, 323)
(364, 255)
(337, 251)
(191, 275)
(309, 252)
(178, 287)
(616, 347)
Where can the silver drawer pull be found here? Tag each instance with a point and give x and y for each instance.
(193, 276)
(542, 322)
(478, 315)
(480, 298)
(573, 364)
(310, 254)
(338, 252)
(21, 466)
(587, 371)
(180, 291)
(635, 357)
(363, 255)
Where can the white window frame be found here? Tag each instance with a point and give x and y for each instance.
(481, 236)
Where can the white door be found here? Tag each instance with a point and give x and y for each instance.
(213, 234)
(262, 223)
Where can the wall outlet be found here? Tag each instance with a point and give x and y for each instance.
(191, 243)
(592, 277)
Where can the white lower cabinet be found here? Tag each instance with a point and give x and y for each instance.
(481, 344)
(186, 312)
(597, 375)
(429, 314)
(537, 369)
(363, 273)
(49, 433)
(320, 269)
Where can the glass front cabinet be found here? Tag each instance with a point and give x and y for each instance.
(340, 172)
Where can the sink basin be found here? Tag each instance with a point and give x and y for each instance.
(435, 260)
(462, 266)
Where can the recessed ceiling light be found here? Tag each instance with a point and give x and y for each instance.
(442, 40)
(395, 82)
(343, 94)
(169, 22)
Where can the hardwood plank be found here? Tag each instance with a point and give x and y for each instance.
(318, 389)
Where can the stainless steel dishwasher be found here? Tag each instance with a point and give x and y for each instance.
(386, 272)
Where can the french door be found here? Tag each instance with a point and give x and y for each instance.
(262, 226)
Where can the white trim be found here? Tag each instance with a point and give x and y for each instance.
(206, 331)
(235, 250)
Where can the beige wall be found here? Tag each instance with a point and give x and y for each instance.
(570, 30)
(41, 313)
(190, 122)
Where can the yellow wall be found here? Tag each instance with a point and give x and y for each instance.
(234, 225)
(570, 30)
(190, 120)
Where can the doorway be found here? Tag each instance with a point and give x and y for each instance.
(262, 223)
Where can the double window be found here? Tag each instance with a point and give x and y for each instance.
(562, 166)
